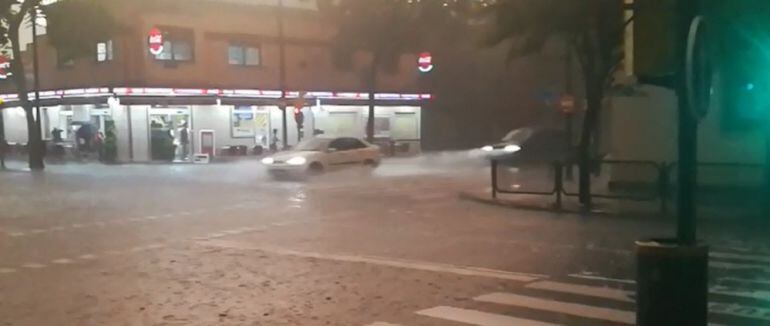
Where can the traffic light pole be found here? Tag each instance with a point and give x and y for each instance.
(672, 274)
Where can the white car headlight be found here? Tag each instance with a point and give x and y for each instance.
(299, 160)
(487, 148)
(268, 160)
(512, 148)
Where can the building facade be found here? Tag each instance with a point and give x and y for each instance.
(206, 76)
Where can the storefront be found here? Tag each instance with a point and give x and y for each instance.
(171, 125)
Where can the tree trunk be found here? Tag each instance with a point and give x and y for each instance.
(34, 138)
(372, 84)
(594, 95)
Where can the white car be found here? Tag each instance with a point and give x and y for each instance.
(318, 155)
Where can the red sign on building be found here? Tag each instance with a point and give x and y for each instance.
(155, 41)
(425, 62)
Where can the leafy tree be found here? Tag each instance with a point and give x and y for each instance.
(74, 27)
(385, 30)
(592, 30)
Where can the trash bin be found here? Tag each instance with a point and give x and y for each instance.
(672, 283)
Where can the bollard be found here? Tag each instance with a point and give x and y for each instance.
(494, 179)
(558, 183)
(672, 283)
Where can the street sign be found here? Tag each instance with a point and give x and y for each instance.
(698, 70)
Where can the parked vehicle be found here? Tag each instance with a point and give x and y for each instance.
(322, 154)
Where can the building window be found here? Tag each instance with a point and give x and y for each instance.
(178, 46)
(239, 55)
(104, 51)
(64, 60)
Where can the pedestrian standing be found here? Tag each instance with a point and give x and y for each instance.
(184, 140)
(274, 141)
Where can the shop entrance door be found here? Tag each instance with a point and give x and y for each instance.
(171, 137)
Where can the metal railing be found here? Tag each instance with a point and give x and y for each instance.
(660, 184)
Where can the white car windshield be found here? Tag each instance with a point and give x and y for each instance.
(314, 145)
(518, 136)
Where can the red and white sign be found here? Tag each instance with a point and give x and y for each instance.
(5, 67)
(425, 62)
(155, 41)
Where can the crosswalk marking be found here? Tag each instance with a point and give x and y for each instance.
(478, 318)
(740, 311)
(751, 294)
(755, 282)
(734, 266)
(574, 309)
(593, 291)
(725, 255)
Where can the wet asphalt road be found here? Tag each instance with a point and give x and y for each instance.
(223, 244)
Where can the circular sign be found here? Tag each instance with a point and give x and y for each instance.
(155, 41)
(425, 62)
(698, 70)
(5, 67)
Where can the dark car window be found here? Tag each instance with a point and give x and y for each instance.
(338, 144)
(353, 143)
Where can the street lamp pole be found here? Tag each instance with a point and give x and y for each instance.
(282, 74)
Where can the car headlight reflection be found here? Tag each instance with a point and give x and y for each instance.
(487, 148)
(297, 161)
(268, 160)
(512, 148)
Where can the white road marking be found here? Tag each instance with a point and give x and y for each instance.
(168, 215)
(479, 318)
(87, 257)
(62, 261)
(33, 266)
(151, 217)
(573, 309)
(755, 258)
(592, 291)
(397, 263)
(382, 323)
(38, 231)
(7, 270)
(77, 226)
(740, 311)
(185, 213)
(599, 278)
(113, 252)
(17, 234)
(57, 228)
(216, 235)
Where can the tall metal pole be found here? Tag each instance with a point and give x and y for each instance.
(36, 72)
(282, 76)
(688, 134)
